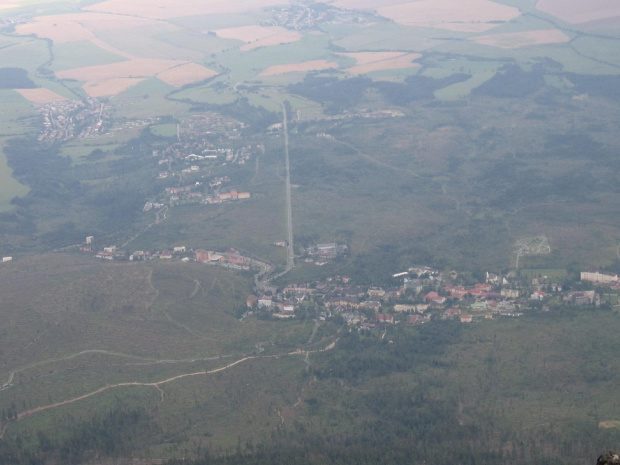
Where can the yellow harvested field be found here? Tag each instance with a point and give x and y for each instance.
(41, 95)
(10, 4)
(165, 9)
(59, 31)
(523, 39)
(314, 65)
(259, 36)
(579, 11)
(141, 67)
(106, 87)
(78, 26)
(185, 74)
(453, 15)
(376, 61)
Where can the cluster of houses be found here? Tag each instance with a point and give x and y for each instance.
(194, 194)
(306, 17)
(67, 119)
(207, 124)
(231, 258)
(423, 294)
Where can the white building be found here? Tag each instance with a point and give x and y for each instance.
(598, 277)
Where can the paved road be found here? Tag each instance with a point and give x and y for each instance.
(290, 261)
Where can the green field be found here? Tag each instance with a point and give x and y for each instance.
(553, 274)
(9, 186)
(26, 53)
(80, 54)
(165, 130)
(144, 42)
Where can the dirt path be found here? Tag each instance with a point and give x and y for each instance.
(157, 385)
(196, 288)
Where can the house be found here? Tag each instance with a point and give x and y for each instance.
(110, 249)
(376, 292)
(179, 249)
(415, 319)
(251, 301)
(581, 297)
(479, 306)
(202, 256)
(105, 255)
(410, 308)
(599, 277)
(244, 195)
(90, 239)
(7, 259)
(452, 312)
(385, 318)
(492, 278)
(236, 259)
(265, 302)
(367, 326)
(372, 304)
(435, 299)
(538, 295)
(509, 293)
(286, 307)
(467, 318)
(165, 255)
(477, 293)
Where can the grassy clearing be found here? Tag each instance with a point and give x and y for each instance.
(9, 186)
(27, 53)
(81, 53)
(146, 100)
(263, 101)
(206, 94)
(600, 49)
(246, 65)
(219, 21)
(463, 89)
(164, 130)
(550, 273)
(79, 152)
(387, 36)
(143, 42)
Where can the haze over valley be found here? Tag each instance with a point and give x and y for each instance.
(347, 231)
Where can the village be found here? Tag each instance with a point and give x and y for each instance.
(425, 294)
(188, 163)
(421, 295)
(308, 17)
(65, 120)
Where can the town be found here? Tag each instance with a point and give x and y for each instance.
(309, 17)
(418, 295)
